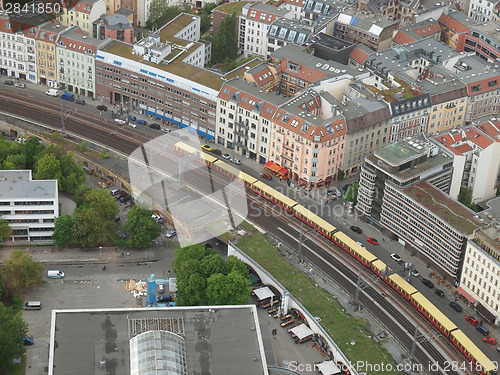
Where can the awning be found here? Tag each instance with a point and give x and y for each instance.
(192, 130)
(302, 331)
(181, 125)
(328, 368)
(283, 171)
(184, 126)
(149, 113)
(166, 118)
(174, 121)
(329, 178)
(201, 132)
(263, 293)
(209, 136)
(272, 167)
(466, 295)
(159, 116)
(485, 313)
(303, 180)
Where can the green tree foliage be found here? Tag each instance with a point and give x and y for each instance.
(69, 175)
(465, 197)
(225, 46)
(48, 167)
(64, 231)
(141, 227)
(352, 193)
(15, 161)
(340, 175)
(205, 17)
(160, 13)
(31, 150)
(12, 329)
(21, 273)
(5, 230)
(204, 277)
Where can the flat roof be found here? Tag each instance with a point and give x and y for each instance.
(222, 340)
(451, 211)
(177, 67)
(18, 185)
(490, 28)
(233, 7)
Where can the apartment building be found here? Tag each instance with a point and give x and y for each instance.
(417, 31)
(82, 14)
(328, 47)
(390, 9)
(116, 27)
(476, 160)
(244, 116)
(30, 206)
(257, 19)
(365, 29)
(46, 53)
(403, 190)
(480, 276)
(311, 148)
(314, 10)
(482, 10)
(294, 5)
(18, 48)
(76, 62)
(359, 55)
(226, 9)
(112, 6)
(178, 91)
(482, 80)
(448, 96)
(454, 24)
(483, 39)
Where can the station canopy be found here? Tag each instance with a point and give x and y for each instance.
(328, 368)
(302, 331)
(263, 293)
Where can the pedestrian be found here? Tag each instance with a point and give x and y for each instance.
(169, 272)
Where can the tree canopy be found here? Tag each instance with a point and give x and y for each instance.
(13, 330)
(141, 227)
(465, 197)
(21, 273)
(205, 278)
(225, 46)
(5, 230)
(160, 13)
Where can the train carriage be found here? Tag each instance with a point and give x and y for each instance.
(379, 267)
(354, 248)
(402, 286)
(481, 362)
(314, 221)
(186, 149)
(274, 195)
(433, 313)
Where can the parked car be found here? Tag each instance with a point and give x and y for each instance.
(225, 156)
(52, 92)
(439, 292)
(372, 240)
(20, 85)
(415, 273)
(428, 284)
(132, 118)
(483, 330)
(102, 108)
(396, 257)
(80, 101)
(235, 161)
(171, 234)
(8, 82)
(155, 126)
(266, 176)
(216, 151)
(455, 306)
(206, 147)
(120, 121)
(142, 122)
(165, 130)
(164, 299)
(472, 320)
(356, 229)
(125, 198)
(28, 340)
(120, 194)
(161, 289)
(490, 340)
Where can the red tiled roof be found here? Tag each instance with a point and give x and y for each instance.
(263, 77)
(483, 85)
(15, 26)
(402, 38)
(453, 24)
(479, 139)
(305, 73)
(268, 18)
(459, 150)
(359, 55)
(77, 46)
(429, 29)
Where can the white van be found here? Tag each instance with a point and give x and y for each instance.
(54, 274)
(32, 305)
(52, 92)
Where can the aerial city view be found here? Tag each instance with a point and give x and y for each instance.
(249, 187)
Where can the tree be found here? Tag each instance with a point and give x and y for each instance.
(160, 13)
(465, 197)
(5, 230)
(15, 161)
(12, 329)
(21, 273)
(352, 193)
(225, 46)
(141, 227)
(204, 277)
(31, 151)
(340, 175)
(205, 16)
(64, 231)
(48, 167)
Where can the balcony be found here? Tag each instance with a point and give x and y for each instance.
(243, 134)
(286, 157)
(241, 145)
(288, 147)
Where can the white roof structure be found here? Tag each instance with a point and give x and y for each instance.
(172, 284)
(328, 368)
(263, 293)
(302, 331)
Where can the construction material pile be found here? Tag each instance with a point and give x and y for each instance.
(136, 288)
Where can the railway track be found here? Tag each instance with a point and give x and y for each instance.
(126, 140)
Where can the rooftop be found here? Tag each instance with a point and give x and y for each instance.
(490, 29)
(451, 211)
(240, 71)
(19, 185)
(176, 67)
(477, 69)
(218, 340)
(369, 22)
(490, 231)
(168, 31)
(233, 7)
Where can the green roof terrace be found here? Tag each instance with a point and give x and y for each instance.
(168, 31)
(233, 7)
(451, 211)
(176, 67)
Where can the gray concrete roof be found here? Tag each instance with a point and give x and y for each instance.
(476, 69)
(269, 9)
(490, 28)
(115, 21)
(282, 28)
(249, 88)
(222, 341)
(72, 34)
(17, 185)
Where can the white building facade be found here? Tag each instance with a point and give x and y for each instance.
(482, 10)
(30, 206)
